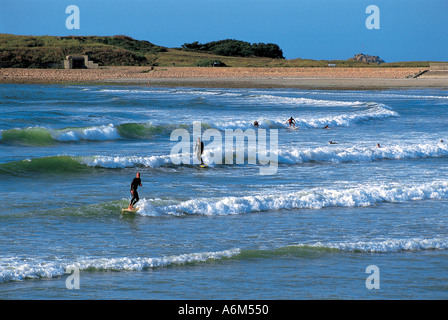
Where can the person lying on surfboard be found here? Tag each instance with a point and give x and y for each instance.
(199, 149)
(292, 122)
(134, 185)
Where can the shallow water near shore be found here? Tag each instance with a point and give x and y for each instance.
(69, 153)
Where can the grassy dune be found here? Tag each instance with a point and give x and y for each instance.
(190, 59)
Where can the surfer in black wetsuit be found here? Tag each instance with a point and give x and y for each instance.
(199, 147)
(134, 185)
(292, 122)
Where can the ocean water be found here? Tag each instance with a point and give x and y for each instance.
(313, 229)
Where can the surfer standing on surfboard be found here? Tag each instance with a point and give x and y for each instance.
(292, 122)
(134, 185)
(199, 149)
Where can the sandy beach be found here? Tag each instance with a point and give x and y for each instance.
(307, 78)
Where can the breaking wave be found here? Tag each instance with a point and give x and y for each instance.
(292, 156)
(126, 162)
(376, 112)
(274, 99)
(363, 154)
(19, 269)
(254, 97)
(384, 246)
(316, 198)
(14, 268)
(38, 136)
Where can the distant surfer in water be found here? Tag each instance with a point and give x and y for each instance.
(333, 142)
(134, 185)
(199, 149)
(292, 122)
(326, 127)
(256, 124)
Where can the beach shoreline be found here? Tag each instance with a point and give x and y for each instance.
(300, 78)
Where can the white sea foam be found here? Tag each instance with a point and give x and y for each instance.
(338, 154)
(412, 96)
(15, 268)
(106, 132)
(376, 95)
(273, 99)
(362, 153)
(124, 91)
(243, 124)
(127, 162)
(288, 156)
(174, 92)
(377, 112)
(386, 246)
(207, 93)
(305, 199)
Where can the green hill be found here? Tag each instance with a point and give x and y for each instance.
(49, 51)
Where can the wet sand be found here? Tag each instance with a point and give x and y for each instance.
(306, 78)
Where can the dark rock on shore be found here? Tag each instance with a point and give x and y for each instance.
(367, 58)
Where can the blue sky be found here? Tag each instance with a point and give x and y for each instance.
(313, 29)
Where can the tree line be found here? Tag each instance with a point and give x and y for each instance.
(236, 48)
